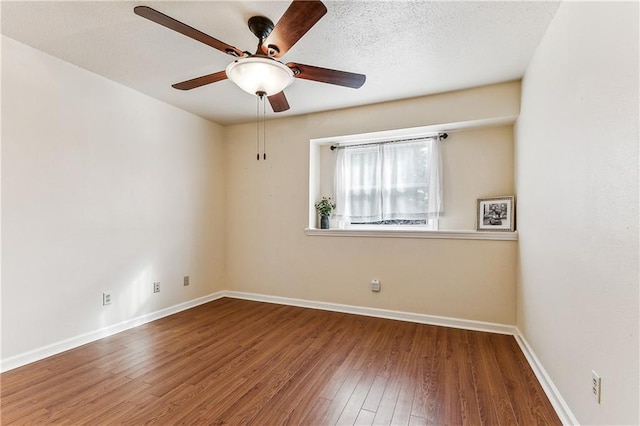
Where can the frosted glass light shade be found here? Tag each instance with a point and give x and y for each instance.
(256, 74)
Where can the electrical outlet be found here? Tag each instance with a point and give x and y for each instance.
(106, 298)
(185, 282)
(375, 286)
(596, 386)
(156, 287)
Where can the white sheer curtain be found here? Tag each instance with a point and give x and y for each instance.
(399, 180)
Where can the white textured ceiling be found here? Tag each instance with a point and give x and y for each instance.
(406, 49)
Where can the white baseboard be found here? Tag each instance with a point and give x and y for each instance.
(379, 313)
(559, 404)
(73, 342)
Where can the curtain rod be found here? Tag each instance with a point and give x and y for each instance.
(440, 135)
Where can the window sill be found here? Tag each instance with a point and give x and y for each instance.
(397, 233)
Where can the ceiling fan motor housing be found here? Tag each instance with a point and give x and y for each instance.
(261, 26)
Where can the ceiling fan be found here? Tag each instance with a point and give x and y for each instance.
(261, 73)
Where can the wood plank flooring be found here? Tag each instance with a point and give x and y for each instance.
(241, 362)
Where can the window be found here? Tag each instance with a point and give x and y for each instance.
(389, 183)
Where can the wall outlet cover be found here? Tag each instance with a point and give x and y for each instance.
(106, 298)
(596, 386)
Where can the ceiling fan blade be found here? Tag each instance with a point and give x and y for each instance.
(169, 22)
(296, 21)
(278, 102)
(200, 81)
(325, 75)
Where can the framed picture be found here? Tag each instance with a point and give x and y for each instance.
(496, 214)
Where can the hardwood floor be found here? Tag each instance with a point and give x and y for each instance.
(240, 362)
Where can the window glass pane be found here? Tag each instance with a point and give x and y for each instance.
(363, 184)
(405, 180)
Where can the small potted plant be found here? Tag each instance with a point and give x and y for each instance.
(324, 208)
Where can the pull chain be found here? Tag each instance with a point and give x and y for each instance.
(258, 126)
(261, 97)
(264, 128)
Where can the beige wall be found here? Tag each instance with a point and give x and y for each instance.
(103, 189)
(268, 252)
(577, 183)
